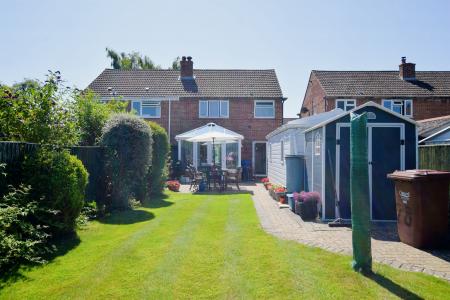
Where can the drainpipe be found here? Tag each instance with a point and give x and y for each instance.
(168, 127)
(282, 109)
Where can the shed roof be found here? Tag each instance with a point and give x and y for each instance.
(370, 103)
(306, 122)
(428, 127)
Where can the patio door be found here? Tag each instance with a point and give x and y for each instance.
(259, 159)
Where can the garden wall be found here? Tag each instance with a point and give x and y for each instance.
(13, 153)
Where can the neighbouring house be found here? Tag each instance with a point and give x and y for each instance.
(434, 131)
(392, 145)
(415, 94)
(289, 140)
(248, 103)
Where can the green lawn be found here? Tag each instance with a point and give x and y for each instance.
(208, 246)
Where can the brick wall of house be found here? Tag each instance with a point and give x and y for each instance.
(185, 117)
(423, 108)
(314, 98)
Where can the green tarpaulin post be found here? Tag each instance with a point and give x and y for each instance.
(360, 199)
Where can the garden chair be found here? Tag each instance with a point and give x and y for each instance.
(234, 175)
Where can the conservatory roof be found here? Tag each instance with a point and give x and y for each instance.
(306, 122)
(208, 129)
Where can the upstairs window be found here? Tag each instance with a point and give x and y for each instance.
(264, 109)
(213, 109)
(346, 104)
(147, 108)
(402, 107)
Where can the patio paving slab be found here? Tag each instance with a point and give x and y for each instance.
(386, 247)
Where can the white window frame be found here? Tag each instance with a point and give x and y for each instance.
(347, 102)
(265, 117)
(222, 115)
(147, 116)
(403, 103)
(317, 144)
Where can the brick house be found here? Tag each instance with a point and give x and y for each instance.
(416, 94)
(248, 102)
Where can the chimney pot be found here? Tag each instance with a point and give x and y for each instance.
(186, 67)
(407, 71)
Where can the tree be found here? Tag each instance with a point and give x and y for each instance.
(130, 61)
(38, 112)
(135, 61)
(176, 63)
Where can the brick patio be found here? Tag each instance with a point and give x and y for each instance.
(386, 247)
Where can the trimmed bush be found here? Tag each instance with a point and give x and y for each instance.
(58, 180)
(158, 171)
(127, 158)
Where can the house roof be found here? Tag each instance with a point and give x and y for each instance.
(206, 83)
(383, 84)
(429, 127)
(306, 122)
(370, 103)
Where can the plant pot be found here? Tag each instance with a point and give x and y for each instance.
(282, 199)
(306, 210)
(291, 203)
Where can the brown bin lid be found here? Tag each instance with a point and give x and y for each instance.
(417, 174)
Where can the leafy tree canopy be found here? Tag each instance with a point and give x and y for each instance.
(135, 61)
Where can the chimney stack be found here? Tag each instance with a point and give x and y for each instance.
(186, 67)
(407, 71)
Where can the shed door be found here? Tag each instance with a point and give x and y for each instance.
(385, 156)
(343, 172)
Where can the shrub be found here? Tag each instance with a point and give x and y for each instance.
(158, 172)
(128, 156)
(38, 112)
(59, 180)
(307, 197)
(93, 114)
(22, 239)
(173, 185)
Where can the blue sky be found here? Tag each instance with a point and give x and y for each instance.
(293, 37)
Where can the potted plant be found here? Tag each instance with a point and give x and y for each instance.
(265, 182)
(173, 185)
(306, 204)
(280, 194)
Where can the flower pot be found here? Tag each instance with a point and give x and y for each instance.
(306, 210)
(291, 203)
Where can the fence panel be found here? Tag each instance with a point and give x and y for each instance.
(436, 157)
(13, 154)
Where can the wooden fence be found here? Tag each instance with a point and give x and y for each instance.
(13, 154)
(435, 157)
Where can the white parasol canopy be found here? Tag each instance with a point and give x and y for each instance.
(215, 136)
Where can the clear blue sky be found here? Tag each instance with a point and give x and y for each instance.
(293, 37)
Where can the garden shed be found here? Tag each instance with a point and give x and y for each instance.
(392, 145)
(287, 141)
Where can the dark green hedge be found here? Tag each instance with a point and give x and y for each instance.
(158, 171)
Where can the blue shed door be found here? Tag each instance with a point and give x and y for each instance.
(343, 172)
(385, 156)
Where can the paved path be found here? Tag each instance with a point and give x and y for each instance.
(386, 248)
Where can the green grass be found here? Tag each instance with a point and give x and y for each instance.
(208, 246)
